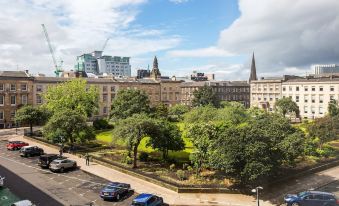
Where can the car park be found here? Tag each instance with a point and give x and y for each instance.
(115, 191)
(147, 200)
(60, 165)
(15, 145)
(46, 159)
(23, 203)
(28, 151)
(2, 181)
(311, 198)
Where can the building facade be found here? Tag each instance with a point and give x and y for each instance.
(15, 91)
(96, 63)
(326, 69)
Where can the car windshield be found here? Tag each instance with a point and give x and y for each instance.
(301, 194)
(138, 204)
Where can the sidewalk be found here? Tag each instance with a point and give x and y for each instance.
(140, 186)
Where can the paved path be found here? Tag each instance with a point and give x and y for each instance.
(140, 186)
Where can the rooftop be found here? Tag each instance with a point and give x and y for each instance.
(20, 74)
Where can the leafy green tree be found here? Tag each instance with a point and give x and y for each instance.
(161, 111)
(72, 95)
(287, 105)
(201, 114)
(133, 129)
(323, 128)
(31, 115)
(166, 137)
(254, 151)
(333, 108)
(129, 102)
(201, 135)
(205, 96)
(232, 113)
(177, 112)
(69, 124)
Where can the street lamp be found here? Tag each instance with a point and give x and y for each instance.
(62, 145)
(256, 190)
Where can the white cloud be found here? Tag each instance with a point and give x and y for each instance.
(286, 33)
(74, 27)
(178, 1)
(204, 52)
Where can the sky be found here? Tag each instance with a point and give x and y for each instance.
(211, 36)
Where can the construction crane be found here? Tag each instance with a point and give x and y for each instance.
(103, 47)
(58, 69)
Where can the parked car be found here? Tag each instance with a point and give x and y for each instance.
(147, 200)
(46, 159)
(115, 190)
(15, 145)
(23, 203)
(311, 198)
(28, 151)
(60, 165)
(1, 181)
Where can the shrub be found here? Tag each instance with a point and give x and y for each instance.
(100, 124)
(126, 159)
(184, 166)
(172, 167)
(181, 174)
(190, 169)
(143, 157)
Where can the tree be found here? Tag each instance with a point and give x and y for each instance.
(205, 96)
(201, 114)
(333, 108)
(70, 125)
(161, 111)
(166, 137)
(201, 135)
(129, 102)
(323, 128)
(254, 151)
(31, 115)
(287, 105)
(177, 112)
(132, 130)
(72, 95)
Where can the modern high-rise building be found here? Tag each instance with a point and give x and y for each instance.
(97, 63)
(326, 69)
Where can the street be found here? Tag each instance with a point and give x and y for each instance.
(42, 186)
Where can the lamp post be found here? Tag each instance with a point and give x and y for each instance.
(256, 190)
(62, 145)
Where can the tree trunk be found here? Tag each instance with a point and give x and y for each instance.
(135, 153)
(31, 128)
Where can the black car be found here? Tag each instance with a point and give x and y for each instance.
(115, 190)
(46, 159)
(28, 151)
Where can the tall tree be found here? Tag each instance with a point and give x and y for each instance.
(161, 111)
(132, 130)
(324, 128)
(333, 108)
(205, 96)
(166, 137)
(286, 105)
(177, 112)
(72, 95)
(69, 124)
(129, 102)
(31, 115)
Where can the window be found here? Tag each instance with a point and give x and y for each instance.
(112, 88)
(38, 99)
(12, 113)
(105, 110)
(104, 97)
(1, 115)
(13, 100)
(321, 89)
(313, 89)
(1, 87)
(39, 88)
(306, 89)
(297, 88)
(313, 98)
(321, 99)
(23, 87)
(296, 98)
(284, 88)
(112, 97)
(13, 87)
(312, 110)
(305, 109)
(24, 99)
(2, 100)
(331, 97)
(104, 89)
(321, 110)
(290, 88)
(332, 89)
(305, 98)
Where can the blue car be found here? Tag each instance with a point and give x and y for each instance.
(147, 200)
(115, 191)
(311, 198)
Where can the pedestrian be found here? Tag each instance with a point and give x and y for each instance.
(87, 159)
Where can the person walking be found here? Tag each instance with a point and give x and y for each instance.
(87, 159)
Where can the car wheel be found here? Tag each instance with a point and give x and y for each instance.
(118, 197)
(75, 166)
(295, 204)
(62, 169)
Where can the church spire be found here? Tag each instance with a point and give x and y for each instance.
(155, 73)
(253, 75)
(155, 63)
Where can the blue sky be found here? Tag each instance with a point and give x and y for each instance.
(211, 36)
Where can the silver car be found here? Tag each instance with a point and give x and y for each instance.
(2, 181)
(60, 165)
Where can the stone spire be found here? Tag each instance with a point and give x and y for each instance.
(155, 73)
(253, 75)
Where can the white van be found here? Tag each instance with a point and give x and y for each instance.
(2, 181)
(23, 203)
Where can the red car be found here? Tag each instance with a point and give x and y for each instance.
(15, 145)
